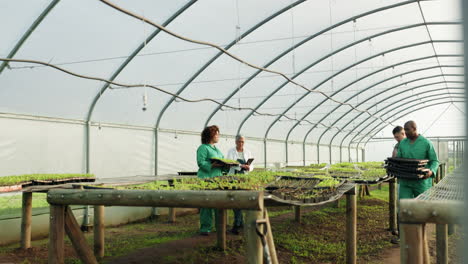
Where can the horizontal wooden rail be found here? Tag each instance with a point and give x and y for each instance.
(165, 198)
(431, 211)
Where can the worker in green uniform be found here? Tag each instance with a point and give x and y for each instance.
(416, 146)
(206, 151)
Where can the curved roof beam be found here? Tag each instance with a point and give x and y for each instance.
(119, 70)
(215, 57)
(310, 38)
(28, 32)
(370, 87)
(347, 68)
(133, 55)
(394, 109)
(389, 89)
(364, 121)
(414, 110)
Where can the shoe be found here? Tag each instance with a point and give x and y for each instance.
(204, 233)
(395, 240)
(235, 230)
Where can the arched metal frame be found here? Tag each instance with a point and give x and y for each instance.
(186, 6)
(326, 80)
(118, 71)
(248, 32)
(361, 124)
(28, 33)
(406, 108)
(351, 66)
(403, 103)
(417, 109)
(284, 53)
(375, 127)
(441, 89)
(367, 125)
(389, 89)
(368, 88)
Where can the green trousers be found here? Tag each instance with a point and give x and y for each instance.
(206, 219)
(408, 189)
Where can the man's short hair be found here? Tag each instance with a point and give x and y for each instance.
(238, 137)
(397, 129)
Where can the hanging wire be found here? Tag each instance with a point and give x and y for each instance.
(289, 80)
(437, 118)
(158, 89)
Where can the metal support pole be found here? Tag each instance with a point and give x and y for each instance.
(26, 220)
(265, 151)
(303, 154)
(442, 243)
(286, 152)
(318, 153)
(341, 154)
(330, 147)
(392, 205)
(351, 223)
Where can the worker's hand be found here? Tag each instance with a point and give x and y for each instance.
(217, 165)
(428, 174)
(245, 167)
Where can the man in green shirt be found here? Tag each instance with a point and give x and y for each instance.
(415, 146)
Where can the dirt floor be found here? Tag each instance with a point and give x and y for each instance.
(318, 239)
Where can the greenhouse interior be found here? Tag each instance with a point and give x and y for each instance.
(233, 131)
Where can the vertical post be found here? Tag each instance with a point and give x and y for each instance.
(330, 147)
(221, 228)
(254, 249)
(392, 205)
(286, 151)
(341, 153)
(26, 220)
(99, 231)
(56, 234)
(318, 154)
(412, 244)
(265, 151)
(77, 238)
(270, 240)
(297, 213)
(442, 243)
(351, 221)
(172, 215)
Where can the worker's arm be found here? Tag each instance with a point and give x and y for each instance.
(433, 164)
(202, 159)
(395, 152)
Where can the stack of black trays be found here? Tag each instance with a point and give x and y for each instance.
(406, 168)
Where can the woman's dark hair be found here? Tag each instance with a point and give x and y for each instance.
(208, 134)
(397, 129)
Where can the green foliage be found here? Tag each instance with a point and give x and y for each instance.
(14, 180)
(331, 183)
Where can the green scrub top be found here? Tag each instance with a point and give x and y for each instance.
(204, 153)
(421, 148)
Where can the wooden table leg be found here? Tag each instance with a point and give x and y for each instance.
(253, 244)
(172, 215)
(351, 223)
(99, 231)
(56, 234)
(84, 252)
(221, 228)
(26, 220)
